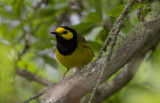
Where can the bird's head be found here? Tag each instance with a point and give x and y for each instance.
(65, 32)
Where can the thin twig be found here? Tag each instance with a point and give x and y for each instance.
(31, 76)
(114, 32)
(35, 96)
(27, 74)
(115, 35)
(26, 47)
(104, 46)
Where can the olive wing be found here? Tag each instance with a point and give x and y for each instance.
(82, 40)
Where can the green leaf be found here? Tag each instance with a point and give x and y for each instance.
(94, 45)
(47, 12)
(31, 66)
(39, 45)
(51, 61)
(60, 5)
(101, 37)
(93, 17)
(85, 27)
(115, 12)
(8, 14)
(27, 62)
(42, 31)
(137, 6)
(98, 6)
(18, 6)
(140, 5)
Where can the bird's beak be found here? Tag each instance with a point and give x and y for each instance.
(55, 33)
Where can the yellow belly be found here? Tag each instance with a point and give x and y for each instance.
(80, 57)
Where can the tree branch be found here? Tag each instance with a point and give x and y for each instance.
(114, 32)
(117, 26)
(35, 96)
(122, 79)
(27, 74)
(31, 76)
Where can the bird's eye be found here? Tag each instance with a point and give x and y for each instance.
(65, 32)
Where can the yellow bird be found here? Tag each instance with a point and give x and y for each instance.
(71, 49)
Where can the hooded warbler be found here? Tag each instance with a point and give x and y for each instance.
(71, 49)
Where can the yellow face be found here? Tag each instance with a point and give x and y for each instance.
(66, 34)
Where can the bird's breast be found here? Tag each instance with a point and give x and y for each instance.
(78, 58)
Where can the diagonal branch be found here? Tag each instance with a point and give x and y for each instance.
(27, 74)
(116, 26)
(114, 32)
(35, 96)
(122, 79)
(31, 76)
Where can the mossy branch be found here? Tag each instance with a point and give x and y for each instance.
(123, 78)
(113, 33)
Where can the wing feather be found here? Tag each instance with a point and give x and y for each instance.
(82, 40)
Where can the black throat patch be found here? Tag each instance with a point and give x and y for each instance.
(67, 47)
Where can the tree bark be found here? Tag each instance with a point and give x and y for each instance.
(114, 85)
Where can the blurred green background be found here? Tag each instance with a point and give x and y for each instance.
(29, 22)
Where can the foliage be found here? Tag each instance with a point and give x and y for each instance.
(29, 22)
